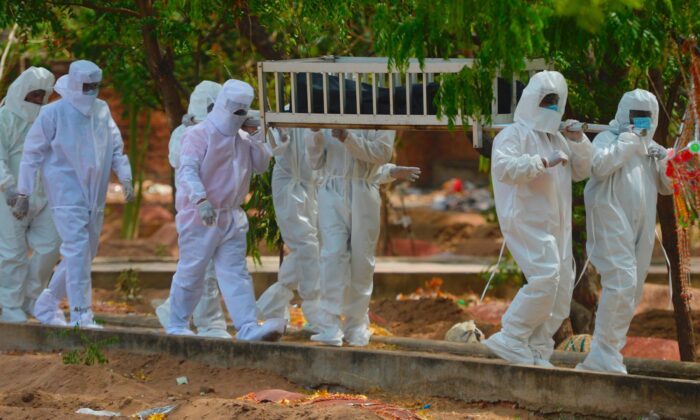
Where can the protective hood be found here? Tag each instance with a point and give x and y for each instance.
(203, 95)
(34, 78)
(235, 95)
(528, 110)
(638, 100)
(70, 86)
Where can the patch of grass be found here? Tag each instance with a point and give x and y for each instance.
(91, 352)
(129, 285)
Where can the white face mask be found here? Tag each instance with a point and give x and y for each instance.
(547, 120)
(228, 124)
(30, 110)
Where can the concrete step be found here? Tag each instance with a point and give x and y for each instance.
(392, 275)
(417, 373)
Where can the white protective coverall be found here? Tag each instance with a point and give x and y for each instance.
(349, 227)
(294, 186)
(533, 203)
(216, 164)
(208, 316)
(294, 190)
(75, 143)
(621, 221)
(22, 278)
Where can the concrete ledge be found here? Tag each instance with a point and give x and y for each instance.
(635, 366)
(411, 373)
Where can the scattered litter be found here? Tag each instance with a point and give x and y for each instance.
(154, 413)
(464, 332)
(427, 406)
(98, 413)
(578, 343)
(182, 380)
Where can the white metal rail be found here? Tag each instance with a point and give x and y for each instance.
(363, 92)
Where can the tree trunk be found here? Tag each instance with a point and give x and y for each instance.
(161, 67)
(667, 218)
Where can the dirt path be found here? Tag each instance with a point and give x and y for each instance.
(40, 386)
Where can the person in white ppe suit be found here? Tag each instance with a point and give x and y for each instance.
(208, 316)
(213, 179)
(532, 167)
(75, 144)
(349, 226)
(628, 172)
(22, 278)
(294, 186)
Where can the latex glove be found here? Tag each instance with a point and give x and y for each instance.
(555, 159)
(575, 136)
(128, 191)
(405, 173)
(340, 133)
(21, 207)
(206, 212)
(10, 196)
(657, 152)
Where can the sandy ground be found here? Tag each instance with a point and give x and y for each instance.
(40, 386)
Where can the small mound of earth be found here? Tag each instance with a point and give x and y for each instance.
(422, 318)
(660, 323)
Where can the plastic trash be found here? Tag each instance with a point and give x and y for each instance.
(464, 332)
(98, 413)
(182, 380)
(143, 415)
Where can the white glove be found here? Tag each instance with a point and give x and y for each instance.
(657, 152)
(206, 213)
(555, 159)
(21, 207)
(128, 191)
(405, 173)
(570, 131)
(284, 136)
(339, 133)
(10, 196)
(631, 138)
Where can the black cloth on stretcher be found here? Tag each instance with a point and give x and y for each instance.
(503, 94)
(350, 101)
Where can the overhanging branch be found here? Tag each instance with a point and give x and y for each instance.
(98, 7)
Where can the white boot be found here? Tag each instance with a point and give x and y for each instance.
(510, 349)
(47, 311)
(14, 315)
(270, 330)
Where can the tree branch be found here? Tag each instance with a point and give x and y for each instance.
(90, 5)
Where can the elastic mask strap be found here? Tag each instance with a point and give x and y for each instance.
(668, 268)
(493, 272)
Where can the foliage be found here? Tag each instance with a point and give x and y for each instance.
(92, 351)
(128, 285)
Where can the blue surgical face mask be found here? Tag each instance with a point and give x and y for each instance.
(554, 108)
(642, 122)
(91, 92)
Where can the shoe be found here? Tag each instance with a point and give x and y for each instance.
(14, 315)
(214, 333)
(543, 363)
(510, 349)
(84, 319)
(180, 331)
(163, 314)
(46, 310)
(358, 336)
(270, 330)
(330, 336)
